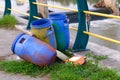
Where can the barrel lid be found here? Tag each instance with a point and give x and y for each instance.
(15, 41)
(42, 23)
(55, 16)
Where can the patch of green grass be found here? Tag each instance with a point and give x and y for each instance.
(61, 71)
(22, 67)
(8, 22)
(68, 52)
(96, 57)
(100, 57)
(87, 71)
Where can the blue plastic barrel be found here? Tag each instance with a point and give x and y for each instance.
(33, 50)
(60, 25)
(43, 30)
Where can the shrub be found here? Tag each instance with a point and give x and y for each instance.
(8, 22)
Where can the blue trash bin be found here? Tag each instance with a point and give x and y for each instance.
(43, 30)
(61, 29)
(33, 50)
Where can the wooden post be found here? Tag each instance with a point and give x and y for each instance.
(110, 4)
(43, 10)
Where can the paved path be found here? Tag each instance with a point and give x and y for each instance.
(10, 76)
(6, 39)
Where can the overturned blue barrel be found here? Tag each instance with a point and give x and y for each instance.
(33, 50)
(60, 25)
(43, 30)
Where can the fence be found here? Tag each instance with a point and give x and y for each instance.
(83, 16)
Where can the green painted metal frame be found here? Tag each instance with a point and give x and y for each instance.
(33, 12)
(7, 5)
(81, 38)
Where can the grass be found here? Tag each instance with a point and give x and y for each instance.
(62, 71)
(96, 57)
(8, 22)
(68, 52)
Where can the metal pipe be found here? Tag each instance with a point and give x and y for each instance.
(98, 36)
(101, 14)
(23, 1)
(102, 37)
(23, 13)
(86, 12)
(18, 12)
(1, 7)
(41, 4)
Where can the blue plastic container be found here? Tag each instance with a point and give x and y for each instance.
(43, 30)
(60, 25)
(33, 50)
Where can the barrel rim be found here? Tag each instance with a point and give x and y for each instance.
(47, 24)
(15, 41)
(57, 16)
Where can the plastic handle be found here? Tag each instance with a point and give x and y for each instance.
(22, 40)
(66, 23)
(50, 32)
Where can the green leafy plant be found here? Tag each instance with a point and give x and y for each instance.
(8, 22)
(96, 57)
(100, 57)
(61, 71)
(68, 52)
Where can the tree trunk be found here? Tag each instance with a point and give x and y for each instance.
(43, 10)
(111, 4)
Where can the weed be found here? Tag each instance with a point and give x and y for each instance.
(88, 55)
(8, 22)
(61, 71)
(96, 57)
(68, 52)
(100, 57)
